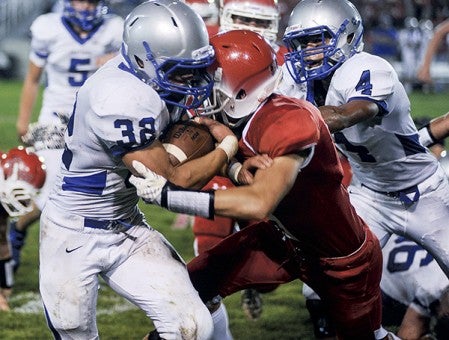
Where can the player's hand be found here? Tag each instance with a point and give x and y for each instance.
(218, 130)
(22, 128)
(245, 175)
(423, 75)
(149, 184)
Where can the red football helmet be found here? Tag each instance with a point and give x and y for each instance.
(22, 175)
(245, 73)
(261, 16)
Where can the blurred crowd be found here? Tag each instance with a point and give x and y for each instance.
(397, 30)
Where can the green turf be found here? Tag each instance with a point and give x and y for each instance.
(284, 315)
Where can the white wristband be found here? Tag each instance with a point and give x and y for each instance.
(424, 136)
(234, 170)
(229, 145)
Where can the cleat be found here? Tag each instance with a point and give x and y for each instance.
(322, 325)
(251, 301)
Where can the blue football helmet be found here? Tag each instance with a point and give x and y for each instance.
(86, 20)
(167, 46)
(320, 36)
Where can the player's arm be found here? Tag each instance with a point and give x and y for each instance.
(436, 130)
(254, 201)
(340, 117)
(413, 325)
(260, 199)
(30, 90)
(440, 32)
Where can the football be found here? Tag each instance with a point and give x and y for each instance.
(187, 140)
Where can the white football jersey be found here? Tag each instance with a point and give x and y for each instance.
(411, 275)
(115, 113)
(385, 153)
(68, 59)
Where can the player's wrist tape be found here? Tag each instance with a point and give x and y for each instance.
(234, 170)
(191, 202)
(6, 273)
(426, 137)
(229, 145)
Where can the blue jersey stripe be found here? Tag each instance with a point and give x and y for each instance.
(93, 184)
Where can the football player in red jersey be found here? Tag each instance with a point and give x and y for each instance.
(308, 229)
(22, 174)
(262, 17)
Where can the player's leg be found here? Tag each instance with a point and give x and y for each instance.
(427, 223)
(155, 278)
(209, 232)
(352, 297)
(323, 327)
(68, 279)
(6, 273)
(18, 231)
(255, 257)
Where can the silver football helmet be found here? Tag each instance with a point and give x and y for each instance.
(320, 36)
(167, 45)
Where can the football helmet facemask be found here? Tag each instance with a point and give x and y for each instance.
(87, 20)
(207, 9)
(245, 73)
(260, 16)
(22, 174)
(320, 36)
(166, 45)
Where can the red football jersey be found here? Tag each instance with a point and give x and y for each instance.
(317, 210)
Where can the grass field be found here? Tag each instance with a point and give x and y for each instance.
(284, 315)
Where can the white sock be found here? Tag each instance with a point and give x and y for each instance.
(380, 333)
(221, 324)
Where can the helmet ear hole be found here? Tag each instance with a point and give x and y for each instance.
(350, 38)
(139, 61)
(241, 94)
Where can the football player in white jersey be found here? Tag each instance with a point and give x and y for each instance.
(368, 112)
(402, 189)
(413, 283)
(91, 225)
(68, 46)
